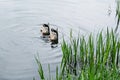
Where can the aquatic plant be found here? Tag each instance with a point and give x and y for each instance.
(40, 70)
(89, 59)
(95, 57)
(117, 14)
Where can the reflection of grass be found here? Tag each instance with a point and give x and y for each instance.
(88, 59)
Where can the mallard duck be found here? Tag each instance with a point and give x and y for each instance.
(54, 36)
(45, 30)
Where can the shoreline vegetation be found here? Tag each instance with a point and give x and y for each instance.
(94, 58)
(88, 59)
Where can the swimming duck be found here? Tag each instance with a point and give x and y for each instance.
(54, 36)
(45, 30)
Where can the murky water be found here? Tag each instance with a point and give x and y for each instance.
(20, 37)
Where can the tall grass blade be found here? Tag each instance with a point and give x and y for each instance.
(40, 70)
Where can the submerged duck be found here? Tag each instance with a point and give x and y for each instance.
(54, 36)
(45, 30)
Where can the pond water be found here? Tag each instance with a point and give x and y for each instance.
(20, 22)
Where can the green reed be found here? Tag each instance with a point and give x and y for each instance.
(87, 58)
(117, 14)
(40, 69)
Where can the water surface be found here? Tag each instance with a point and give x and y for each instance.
(20, 37)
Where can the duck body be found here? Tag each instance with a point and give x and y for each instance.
(45, 30)
(54, 36)
(49, 35)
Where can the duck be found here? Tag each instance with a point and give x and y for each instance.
(53, 36)
(45, 30)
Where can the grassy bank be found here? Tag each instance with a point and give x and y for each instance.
(89, 58)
